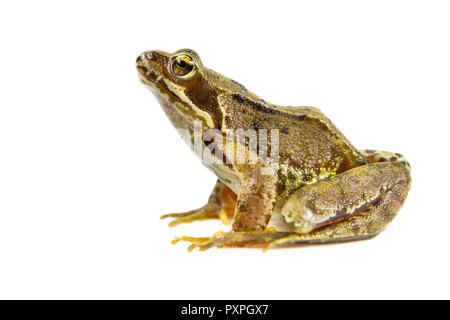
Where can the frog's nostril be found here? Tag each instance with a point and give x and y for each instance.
(149, 55)
(140, 58)
(146, 56)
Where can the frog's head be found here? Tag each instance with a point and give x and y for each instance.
(181, 83)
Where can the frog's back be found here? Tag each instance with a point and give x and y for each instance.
(318, 144)
(308, 140)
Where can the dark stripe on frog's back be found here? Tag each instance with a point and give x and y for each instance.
(308, 139)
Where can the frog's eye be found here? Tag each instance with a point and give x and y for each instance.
(183, 66)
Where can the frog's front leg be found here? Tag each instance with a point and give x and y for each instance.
(252, 214)
(221, 204)
(357, 204)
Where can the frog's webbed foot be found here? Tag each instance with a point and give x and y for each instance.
(271, 238)
(233, 239)
(220, 205)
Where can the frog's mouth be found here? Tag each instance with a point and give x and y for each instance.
(157, 84)
(146, 74)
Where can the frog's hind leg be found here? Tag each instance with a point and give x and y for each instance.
(361, 227)
(221, 205)
(354, 205)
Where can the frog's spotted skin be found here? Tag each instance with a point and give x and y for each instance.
(321, 189)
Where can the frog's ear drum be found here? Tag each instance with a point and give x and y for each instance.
(183, 66)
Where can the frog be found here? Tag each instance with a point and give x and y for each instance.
(318, 188)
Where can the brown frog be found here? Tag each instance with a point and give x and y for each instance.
(314, 187)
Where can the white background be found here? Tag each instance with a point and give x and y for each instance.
(88, 160)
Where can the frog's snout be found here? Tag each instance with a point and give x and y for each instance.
(142, 62)
(147, 64)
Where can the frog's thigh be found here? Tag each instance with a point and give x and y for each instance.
(356, 204)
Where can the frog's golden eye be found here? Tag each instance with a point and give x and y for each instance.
(183, 66)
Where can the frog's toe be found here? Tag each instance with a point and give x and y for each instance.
(194, 241)
(231, 239)
(185, 217)
(197, 215)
